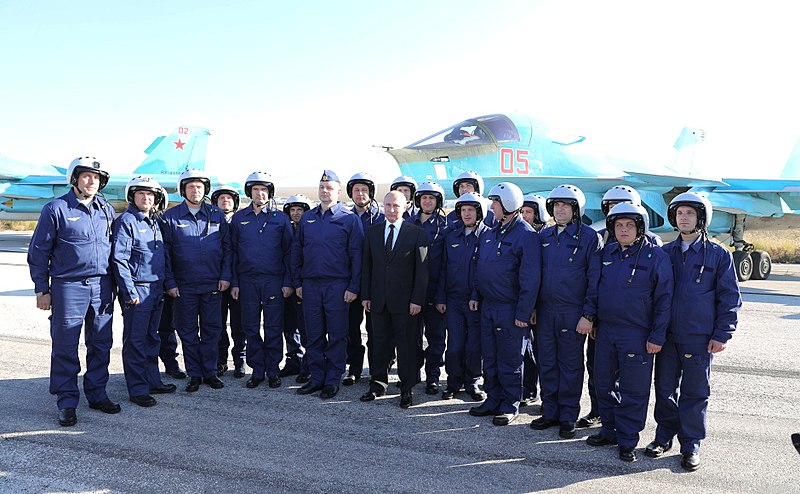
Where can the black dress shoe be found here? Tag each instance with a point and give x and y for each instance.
(796, 441)
(329, 391)
(176, 373)
(690, 461)
(504, 418)
(253, 382)
(238, 371)
(350, 379)
(627, 453)
(193, 384)
(543, 423)
(406, 399)
(448, 394)
(566, 430)
(599, 440)
(482, 411)
(106, 406)
(302, 378)
(289, 370)
(67, 417)
(590, 420)
(143, 400)
(530, 400)
(477, 394)
(222, 369)
(309, 388)
(163, 389)
(655, 450)
(214, 382)
(274, 382)
(431, 388)
(371, 395)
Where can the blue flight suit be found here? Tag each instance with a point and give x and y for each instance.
(198, 256)
(633, 308)
(355, 350)
(69, 257)
(462, 359)
(704, 307)
(590, 342)
(294, 335)
(168, 351)
(570, 274)
(530, 359)
(262, 246)
(507, 286)
(231, 307)
(326, 262)
(432, 322)
(138, 255)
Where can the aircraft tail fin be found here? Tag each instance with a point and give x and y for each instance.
(686, 149)
(792, 168)
(183, 148)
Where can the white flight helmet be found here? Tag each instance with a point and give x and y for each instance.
(191, 175)
(469, 177)
(509, 195)
(86, 164)
(407, 181)
(632, 211)
(617, 194)
(568, 194)
(297, 200)
(361, 178)
(472, 199)
(700, 203)
(226, 189)
(144, 183)
(259, 178)
(539, 206)
(429, 188)
(163, 201)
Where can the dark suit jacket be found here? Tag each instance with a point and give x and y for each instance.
(402, 279)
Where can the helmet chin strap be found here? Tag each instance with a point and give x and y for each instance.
(82, 193)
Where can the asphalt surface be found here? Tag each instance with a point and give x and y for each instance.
(272, 440)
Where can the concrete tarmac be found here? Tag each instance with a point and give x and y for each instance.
(272, 440)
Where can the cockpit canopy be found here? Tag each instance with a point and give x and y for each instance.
(488, 129)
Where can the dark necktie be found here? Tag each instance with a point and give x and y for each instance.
(389, 240)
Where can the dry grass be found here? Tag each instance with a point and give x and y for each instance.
(17, 226)
(783, 245)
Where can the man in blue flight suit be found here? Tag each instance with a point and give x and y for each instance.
(326, 267)
(408, 187)
(464, 183)
(361, 189)
(166, 327)
(294, 326)
(429, 200)
(567, 307)
(506, 288)
(226, 198)
(704, 317)
(138, 255)
(69, 257)
(198, 261)
(261, 236)
(462, 359)
(534, 212)
(633, 311)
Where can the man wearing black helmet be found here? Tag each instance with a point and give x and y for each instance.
(69, 258)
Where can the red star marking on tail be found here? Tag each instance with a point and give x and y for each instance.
(179, 144)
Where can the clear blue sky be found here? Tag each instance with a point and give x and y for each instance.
(292, 87)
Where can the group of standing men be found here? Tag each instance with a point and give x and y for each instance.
(505, 287)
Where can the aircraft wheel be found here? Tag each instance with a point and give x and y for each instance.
(743, 264)
(762, 265)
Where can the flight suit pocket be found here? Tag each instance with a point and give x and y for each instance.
(636, 373)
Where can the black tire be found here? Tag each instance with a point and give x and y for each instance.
(762, 265)
(743, 264)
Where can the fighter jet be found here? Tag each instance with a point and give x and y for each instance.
(25, 188)
(520, 149)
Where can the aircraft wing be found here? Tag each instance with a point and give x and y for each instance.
(670, 181)
(787, 190)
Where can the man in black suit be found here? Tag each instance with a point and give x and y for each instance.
(394, 280)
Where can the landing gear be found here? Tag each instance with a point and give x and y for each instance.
(747, 261)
